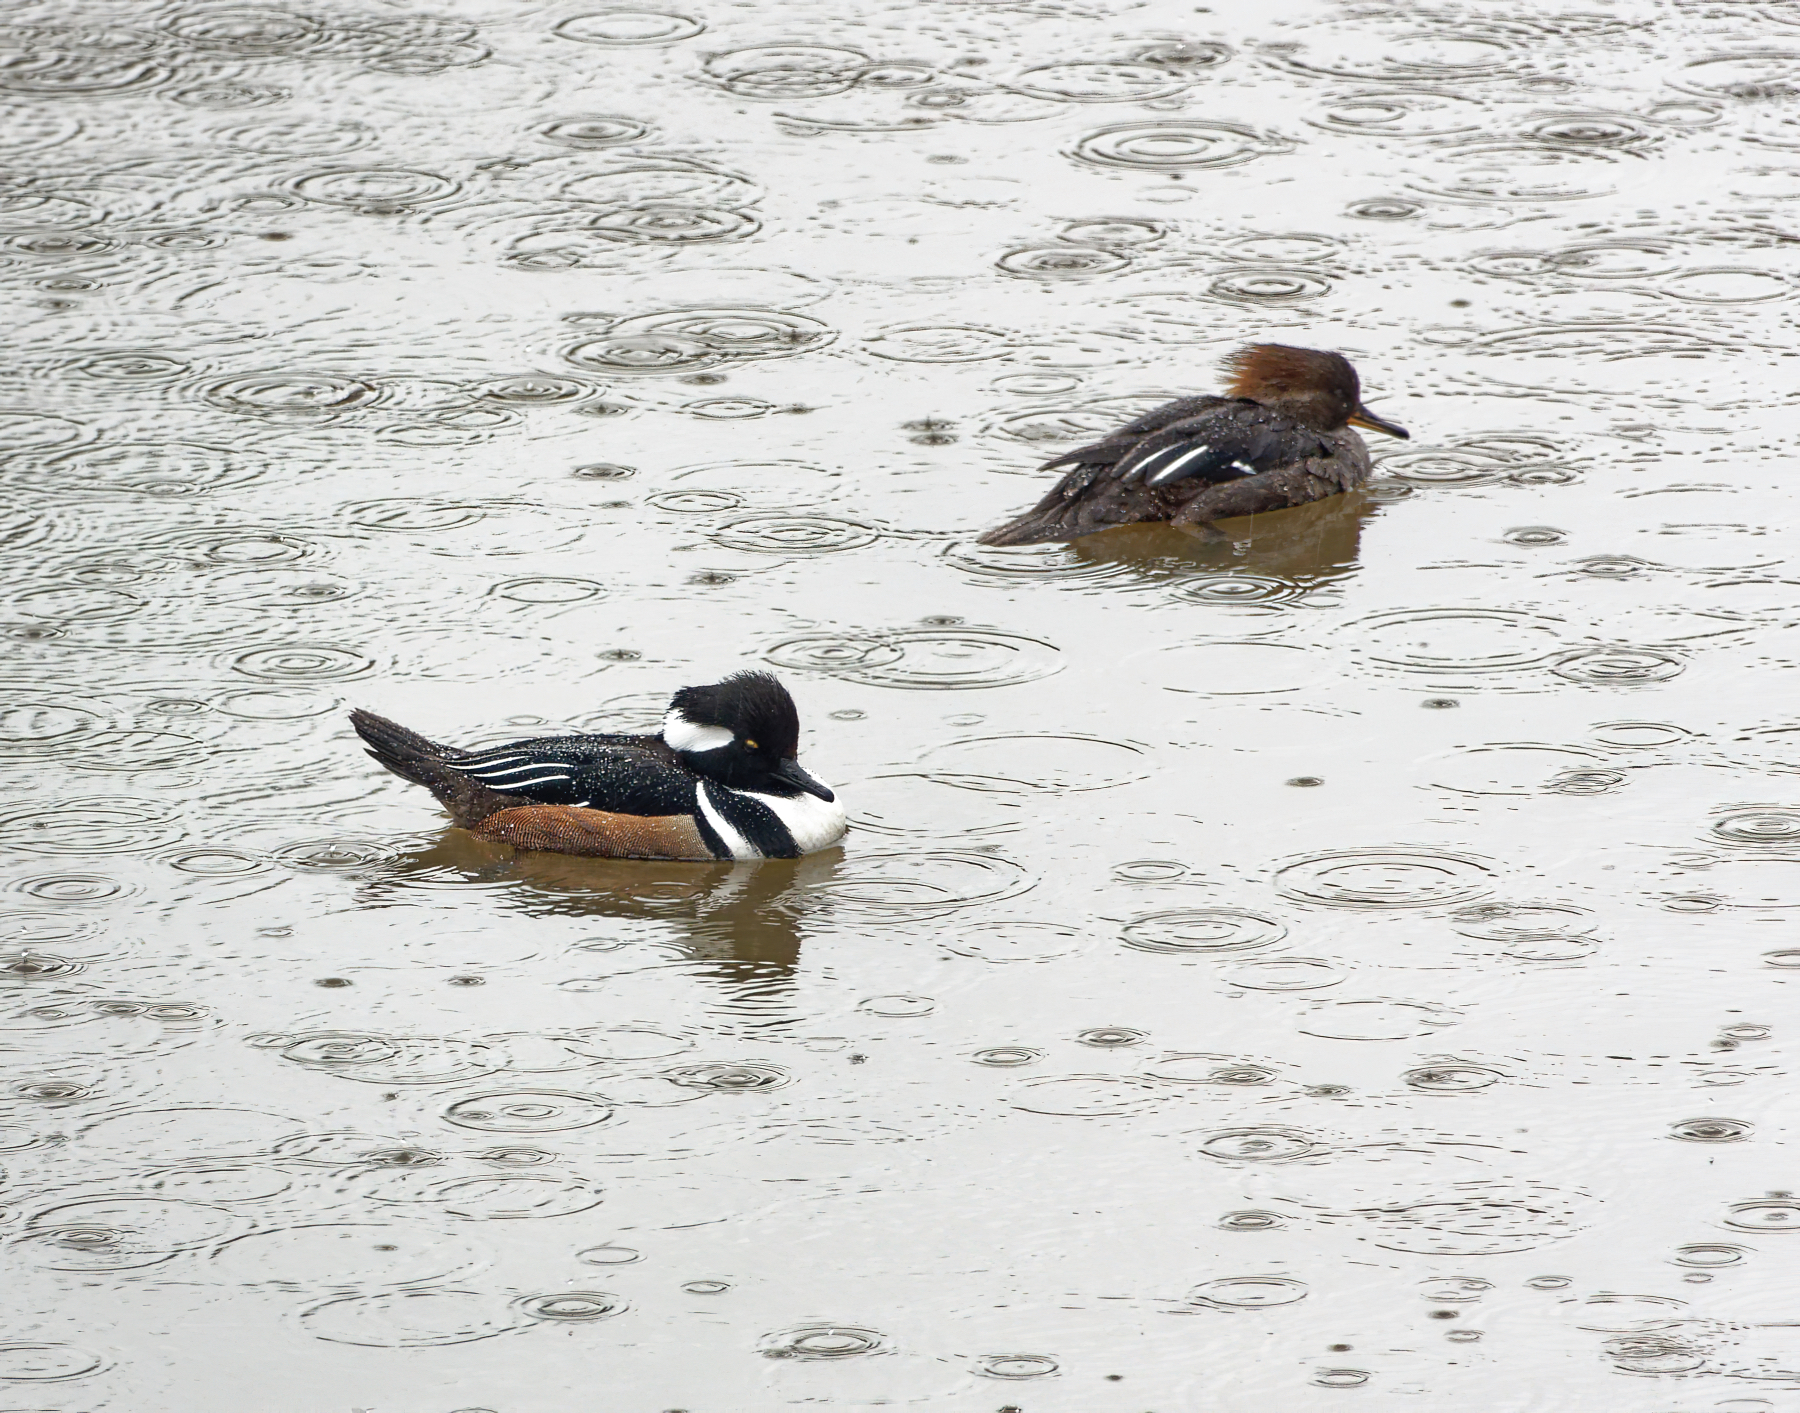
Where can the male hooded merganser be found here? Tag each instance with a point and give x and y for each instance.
(1280, 437)
(719, 782)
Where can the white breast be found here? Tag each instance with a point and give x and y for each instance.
(815, 824)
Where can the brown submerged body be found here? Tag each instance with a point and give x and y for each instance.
(525, 823)
(1282, 436)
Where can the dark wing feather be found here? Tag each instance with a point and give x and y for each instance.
(636, 775)
(1221, 445)
(1115, 444)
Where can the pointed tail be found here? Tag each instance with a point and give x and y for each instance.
(412, 757)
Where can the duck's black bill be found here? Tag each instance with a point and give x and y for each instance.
(790, 772)
(1362, 417)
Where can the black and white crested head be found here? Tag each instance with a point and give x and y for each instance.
(746, 706)
(743, 732)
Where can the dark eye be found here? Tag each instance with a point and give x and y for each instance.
(751, 744)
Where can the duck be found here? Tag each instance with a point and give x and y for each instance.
(720, 781)
(1281, 436)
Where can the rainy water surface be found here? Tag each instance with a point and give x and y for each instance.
(1347, 960)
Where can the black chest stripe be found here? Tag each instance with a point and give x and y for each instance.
(756, 822)
(710, 836)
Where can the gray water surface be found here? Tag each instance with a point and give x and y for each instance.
(1349, 964)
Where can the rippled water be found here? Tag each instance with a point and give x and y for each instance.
(1352, 956)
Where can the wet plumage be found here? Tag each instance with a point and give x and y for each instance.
(1281, 436)
(719, 782)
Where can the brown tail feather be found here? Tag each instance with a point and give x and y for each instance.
(412, 757)
(1079, 505)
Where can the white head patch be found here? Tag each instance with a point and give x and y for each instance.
(685, 735)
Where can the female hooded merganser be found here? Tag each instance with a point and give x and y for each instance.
(720, 782)
(1280, 437)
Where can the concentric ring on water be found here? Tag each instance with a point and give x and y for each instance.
(1709, 1255)
(786, 71)
(1771, 1214)
(1522, 922)
(336, 855)
(914, 884)
(1208, 1069)
(1477, 1217)
(947, 659)
(1258, 1145)
(1267, 285)
(1005, 942)
(1235, 589)
(1090, 81)
(1174, 145)
(108, 825)
(329, 1049)
(897, 1006)
(619, 29)
(1111, 1037)
(386, 188)
(1202, 932)
(1712, 1129)
(938, 343)
(610, 1255)
(528, 1111)
(1456, 640)
(742, 332)
(28, 1361)
(1252, 1221)
(1111, 231)
(1061, 262)
(1403, 877)
(1758, 827)
(1015, 1366)
(665, 222)
(586, 133)
(302, 662)
(1086, 1096)
(1375, 1020)
(642, 353)
(1286, 974)
(1619, 667)
(1450, 1078)
(283, 396)
(72, 887)
(1248, 1292)
(410, 1319)
(571, 1306)
(796, 533)
(547, 590)
(822, 1342)
(734, 1077)
(1007, 1056)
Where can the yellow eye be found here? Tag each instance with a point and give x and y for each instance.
(751, 744)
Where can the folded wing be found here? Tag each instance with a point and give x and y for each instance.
(1222, 444)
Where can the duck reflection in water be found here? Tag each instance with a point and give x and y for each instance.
(1306, 546)
(746, 917)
